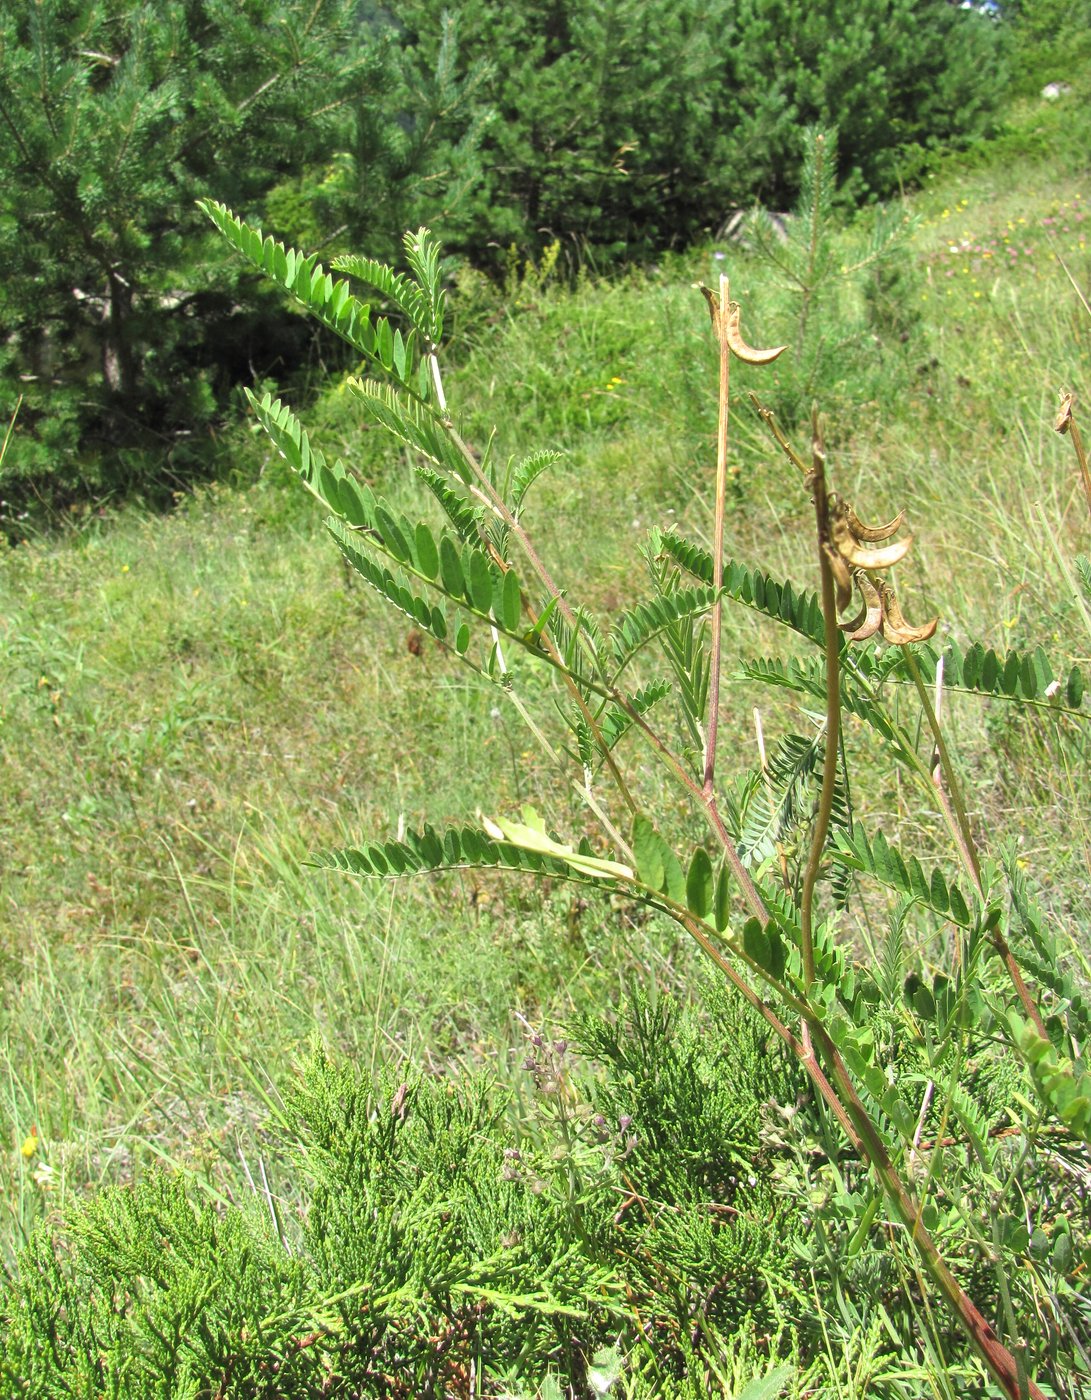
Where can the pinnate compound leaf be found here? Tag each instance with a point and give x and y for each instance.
(406, 294)
(329, 301)
(635, 629)
(526, 473)
(394, 590)
(422, 253)
(1015, 675)
(799, 609)
(882, 861)
(331, 484)
(466, 518)
(460, 848)
(411, 422)
(616, 722)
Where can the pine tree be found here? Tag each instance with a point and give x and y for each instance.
(115, 119)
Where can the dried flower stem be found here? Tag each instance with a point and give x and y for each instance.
(720, 325)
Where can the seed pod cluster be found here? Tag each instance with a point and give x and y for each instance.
(855, 551)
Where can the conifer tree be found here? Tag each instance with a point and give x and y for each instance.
(119, 330)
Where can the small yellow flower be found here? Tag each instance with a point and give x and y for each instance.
(29, 1147)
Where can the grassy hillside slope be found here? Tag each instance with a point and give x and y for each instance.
(195, 701)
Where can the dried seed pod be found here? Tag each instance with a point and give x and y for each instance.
(867, 621)
(747, 353)
(872, 533)
(842, 577)
(894, 627)
(850, 548)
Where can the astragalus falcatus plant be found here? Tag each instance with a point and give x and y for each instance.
(648, 693)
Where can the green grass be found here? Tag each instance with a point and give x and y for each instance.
(192, 702)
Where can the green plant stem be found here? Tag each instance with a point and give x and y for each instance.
(839, 1087)
(954, 809)
(719, 322)
(949, 790)
(833, 716)
(1003, 1366)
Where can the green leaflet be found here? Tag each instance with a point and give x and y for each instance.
(700, 884)
(656, 864)
(425, 551)
(504, 845)
(764, 945)
(384, 343)
(636, 628)
(394, 537)
(331, 302)
(450, 568)
(477, 573)
(1019, 676)
(721, 911)
(881, 860)
(801, 610)
(510, 609)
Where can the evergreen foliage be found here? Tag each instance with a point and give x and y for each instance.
(633, 126)
(119, 336)
(619, 129)
(423, 1230)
